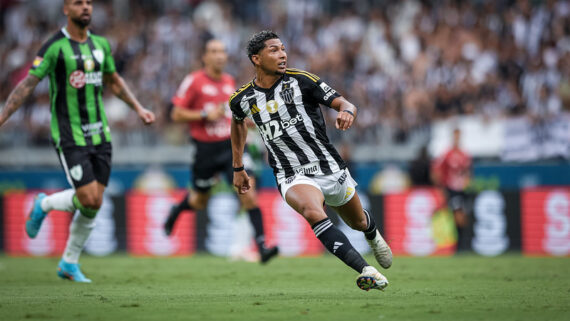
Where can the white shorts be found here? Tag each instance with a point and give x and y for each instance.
(337, 188)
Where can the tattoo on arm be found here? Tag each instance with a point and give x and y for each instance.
(122, 91)
(18, 96)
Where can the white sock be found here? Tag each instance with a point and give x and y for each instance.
(61, 201)
(79, 231)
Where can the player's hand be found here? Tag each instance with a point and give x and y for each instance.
(241, 182)
(146, 116)
(216, 113)
(344, 120)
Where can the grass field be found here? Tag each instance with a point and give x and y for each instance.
(203, 287)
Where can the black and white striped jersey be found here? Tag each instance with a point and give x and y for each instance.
(291, 124)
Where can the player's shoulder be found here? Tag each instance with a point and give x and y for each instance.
(97, 38)
(302, 75)
(227, 78)
(51, 41)
(238, 94)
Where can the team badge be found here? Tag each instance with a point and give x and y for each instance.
(89, 65)
(99, 55)
(76, 172)
(272, 106)
(287, 94)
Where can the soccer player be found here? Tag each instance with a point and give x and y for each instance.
(284, 104)
(77, 63)
(452, 172)
(201, 101)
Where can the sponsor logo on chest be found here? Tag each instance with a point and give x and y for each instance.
(78, 79)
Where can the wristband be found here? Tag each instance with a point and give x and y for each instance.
(204, 114)
(238, 169)
(348, 111)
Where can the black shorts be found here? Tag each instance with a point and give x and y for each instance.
(456, 200)
(211, 159)
(84, 164)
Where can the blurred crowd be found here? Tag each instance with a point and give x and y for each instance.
(403, 63)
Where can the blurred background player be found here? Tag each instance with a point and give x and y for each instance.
(284, 104)
(77, 63)
(452, 172)
(201, 101)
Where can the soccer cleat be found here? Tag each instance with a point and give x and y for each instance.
(36, 217)
(370, 278)
(171, 220)
(268, 253)
(382, 251)
(71, 271)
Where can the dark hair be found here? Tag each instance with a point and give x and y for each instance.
(257, 42)
(204, 38)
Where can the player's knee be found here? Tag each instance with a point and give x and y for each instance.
(358, 224)
(249, 202)
(91, 201)
(313, 214)
(199, 203)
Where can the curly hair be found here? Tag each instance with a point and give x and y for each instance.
(257, 42)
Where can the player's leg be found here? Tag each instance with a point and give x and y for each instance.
(203, 178)
(305, 197)
(61, 201)
(96, 169)
(249, 203)
(360, 219)
(340, 194)
(457, 206)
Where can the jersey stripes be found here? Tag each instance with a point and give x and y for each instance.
(75, 71)
(291, 124)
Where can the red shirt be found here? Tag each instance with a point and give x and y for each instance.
(200, 92)
(454, 169)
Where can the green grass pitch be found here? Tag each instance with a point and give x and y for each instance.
(203, 287)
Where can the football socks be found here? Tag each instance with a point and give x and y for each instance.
(337, 243)
(61, 201)
(370, 231)
(257, 223)
(79, 232)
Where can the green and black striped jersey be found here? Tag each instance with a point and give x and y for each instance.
(75, 73)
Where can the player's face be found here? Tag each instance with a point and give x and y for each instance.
(456, 138)
(273, 58)
(78, 11)
(215, 56)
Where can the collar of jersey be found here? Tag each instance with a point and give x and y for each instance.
(267, 89)
(66, 33)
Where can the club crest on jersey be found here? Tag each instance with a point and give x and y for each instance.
(89, 64)
(99, 55)
(272, 106)
(76, 172)
(287, 94)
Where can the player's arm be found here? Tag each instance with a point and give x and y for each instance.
(238, 137)
(346, 112)
(17, 97)
(183, 115)
(122, 91)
